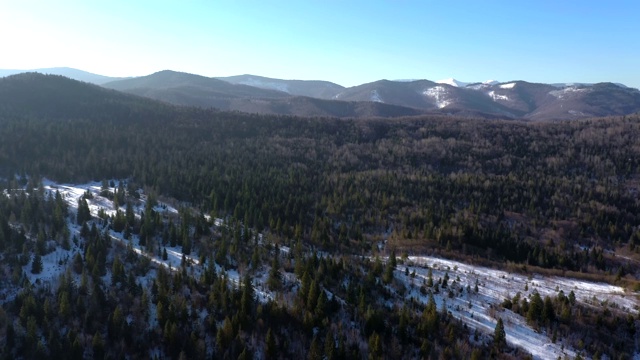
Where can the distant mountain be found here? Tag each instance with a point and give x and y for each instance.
(195, 90)
(192, 90)
(310, 88)
(68, 72)
(426, 95)
(516, 99)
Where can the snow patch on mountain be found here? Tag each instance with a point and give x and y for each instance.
(453, 82)
(265, 84)
(576, 113)
(492, 94)
(405, 80)
(561, 94)
(508, 86)
(491, 82)
(439, 94)
(375, 97)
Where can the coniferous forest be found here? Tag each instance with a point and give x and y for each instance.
(324, 211)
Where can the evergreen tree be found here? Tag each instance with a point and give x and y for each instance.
(274, 281)
(84, 214)
(375, 347)
(36, 266)
(315, 351)
(271, 351)
(248, 296)
(499, 336)
(98, 346)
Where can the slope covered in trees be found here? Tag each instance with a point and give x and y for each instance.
(556, 197)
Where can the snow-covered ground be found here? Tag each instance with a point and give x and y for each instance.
(481, 310)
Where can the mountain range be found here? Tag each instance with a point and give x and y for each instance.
(383, 98)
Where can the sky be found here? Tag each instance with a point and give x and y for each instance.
(349, 42)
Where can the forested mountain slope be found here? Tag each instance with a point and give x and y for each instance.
(552, 198)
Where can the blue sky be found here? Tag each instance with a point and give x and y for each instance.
(349, 42)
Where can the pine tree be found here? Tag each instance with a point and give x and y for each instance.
(186, 244)
(271, 351)
(248, 296)
(315, 352)
(536, 306)
(375, 347)
(387, 277)
(36, 266)
(548, 312)
(312, 298)
(392, 259)
(98, 346)
(77, 349)
(84, 214)
(330, 346)
(274, 282)
(499, 336)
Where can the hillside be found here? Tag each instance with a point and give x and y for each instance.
(202, 233)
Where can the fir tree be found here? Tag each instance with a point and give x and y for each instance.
(271, 351)
(499, 336)
(36, 266)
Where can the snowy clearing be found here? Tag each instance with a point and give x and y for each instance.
(481, 310)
